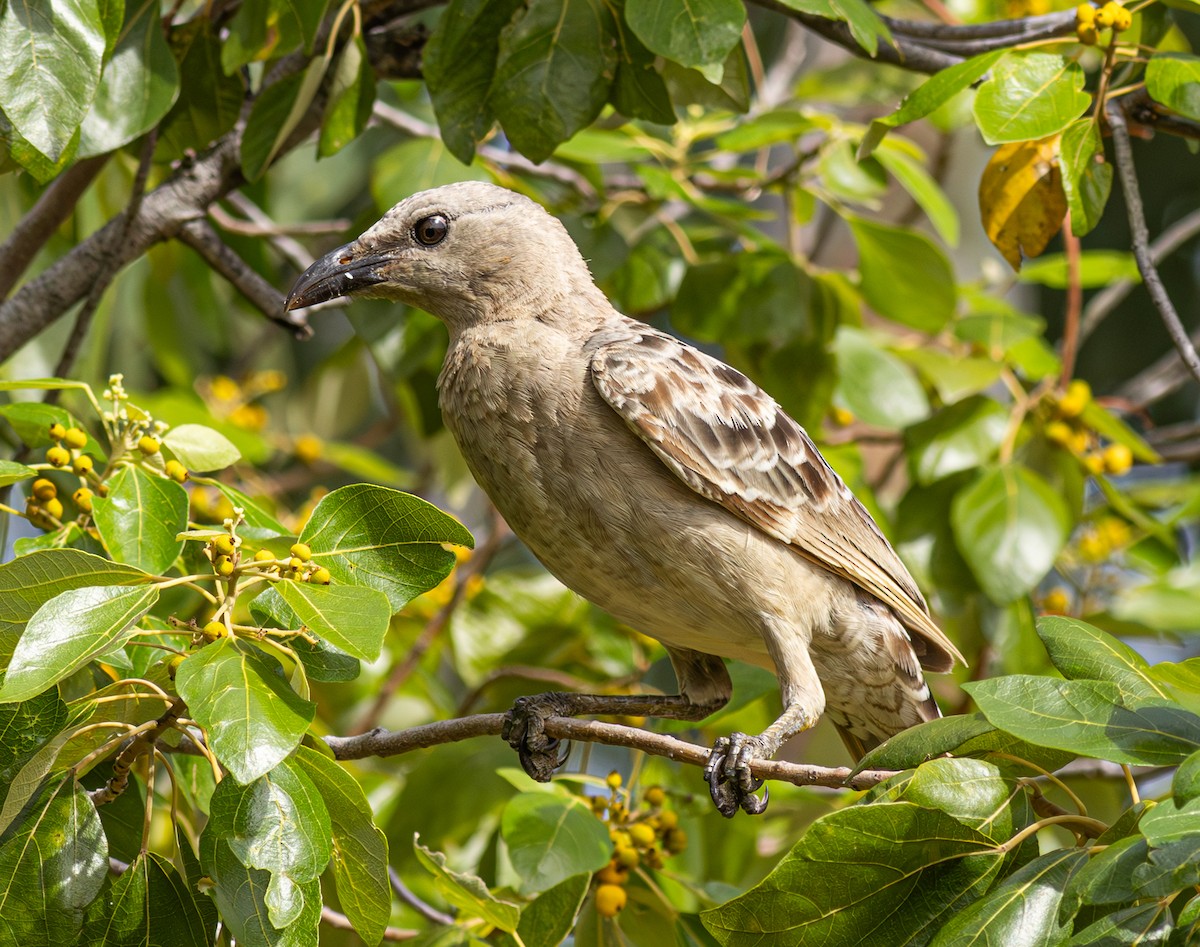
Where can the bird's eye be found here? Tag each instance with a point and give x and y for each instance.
(431, 230)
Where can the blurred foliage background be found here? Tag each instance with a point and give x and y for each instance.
(1002, 394)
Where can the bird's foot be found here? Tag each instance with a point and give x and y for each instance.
(730, 782)
(525, 731)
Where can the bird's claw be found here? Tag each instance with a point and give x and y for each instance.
(525, 731)
(730, 782)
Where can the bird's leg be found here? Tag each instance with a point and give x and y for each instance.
(730, 782)
(704, 689)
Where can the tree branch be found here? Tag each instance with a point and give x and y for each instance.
(1123, 151)
(200, 236)
(56, 204)
(396, 742)
(341, 922)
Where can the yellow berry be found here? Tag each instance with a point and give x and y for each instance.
(176, 660)
(75, 438)
(1077, 397)
(57, 431)
(1117, 458)
(224, 545)
(44, 489)
(1105, 15)
(620, 838)
(1085, 14)
(1122, 20)
(58, 456)
(223, 565)
(668, 820)
(612, 874)
(841, 417)
(676, 841)
(148, 445)
(1087, 35)
(1059, 432)
(1093, 547)
(214, 630)
(301, 551)
(655, 796)
(1056, 602)
(308, 449)
(641, 834)
(53, 507)
(320, 577)
(1093, 464)
(82, 464)
(654, 858)
(295, 564)
(610, 899)
(102, 489)
(614, 780)
(1115, 532)
(176, 471)
(1079, 442)
(83, 499)
(264, 555)
(626, 857)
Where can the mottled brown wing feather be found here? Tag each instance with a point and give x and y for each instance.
(729, 441)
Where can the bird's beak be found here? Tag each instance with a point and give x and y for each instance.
(340, 272)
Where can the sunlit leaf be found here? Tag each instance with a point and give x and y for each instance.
(691, 32)
(551, 838)
(1086, 176)
(1021, 198)
(1030, 95)
(1174, 80)
(467, 892)
(140, 518)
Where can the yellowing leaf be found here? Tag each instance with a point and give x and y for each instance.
(1021, 198)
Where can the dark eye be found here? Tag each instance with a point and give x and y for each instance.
(431, 230)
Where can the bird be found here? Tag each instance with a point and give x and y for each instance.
(654, 480)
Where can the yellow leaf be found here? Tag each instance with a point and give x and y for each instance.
(1021, 198)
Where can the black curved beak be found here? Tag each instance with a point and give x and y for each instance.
(338, 273)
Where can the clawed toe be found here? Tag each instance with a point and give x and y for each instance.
(730, 782)
(525, 731)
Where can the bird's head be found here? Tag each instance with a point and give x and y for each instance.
(467, 253)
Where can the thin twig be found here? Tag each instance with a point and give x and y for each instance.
(341, 922)
(396, 742)
(201, 237)
(426, 911)
(1123, 152)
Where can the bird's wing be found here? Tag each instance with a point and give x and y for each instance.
(729, 441)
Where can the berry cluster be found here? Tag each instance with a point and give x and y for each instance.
(1090, 21)
(642, 836)
(1068, 430)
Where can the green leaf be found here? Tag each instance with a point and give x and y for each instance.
(1088, 718)
(1010, 525)
(874, 384)
(50, 59)
(24, 729)
(1174, 80)
(555, 66)
(259, 524)
(638, 90)
(1030, 95)
(139, 85)
(927, 98)
(961, 437)
(1086, 181)
(12, 472)
(200, 448)
(353, 619)
(923, 189)
(911, 865)
(275, 114)
(383, 539)
(973, 791)
(550, 838)
(1143, 925)
(53, 861)
(925, 741)
(1108, 877)
(1185, 784)
(32, 419)
(690, 32)
(209, 100)
(1101, 420)
(351, 96)
(238, 694)
(322, 661)
(1080, 650)
(550, 917)
(241, 897)
(459, 62)
(68, 631)
(360, 849)
(148, 904)
(1168, 869)
(277, 823)
(1021, 911)
(140, 518)
(467, 892)
(904, 276)
(1097, 268)
(1170, 821)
